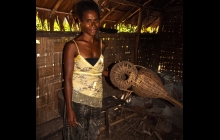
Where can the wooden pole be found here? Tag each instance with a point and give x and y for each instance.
(160, 23)
(106, 15)
(56, 7)
(139, 25)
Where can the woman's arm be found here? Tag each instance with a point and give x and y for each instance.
(105, 73)
(68, 59)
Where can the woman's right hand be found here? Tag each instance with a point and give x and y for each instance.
(71, 118)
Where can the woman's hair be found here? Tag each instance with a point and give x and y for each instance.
(85, 5)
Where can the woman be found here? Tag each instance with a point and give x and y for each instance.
(83, 71)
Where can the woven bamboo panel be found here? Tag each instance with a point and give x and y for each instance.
(48, 76)
(52, 79)
(45, 71)
(171, 49)
(46, 113)
(41, 102)
(149, 51)
(50, 93)
(41, 48)
(50, 111)
(41, 87)
(58, 86)
(58, 46)
(40, 61)
(41, 114)
(58, 63)
(50, 49)
(120, 47)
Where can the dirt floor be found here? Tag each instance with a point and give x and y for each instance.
(158, 122)
(176, 134)
(129, 129)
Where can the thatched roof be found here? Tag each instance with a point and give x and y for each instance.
(112, 11)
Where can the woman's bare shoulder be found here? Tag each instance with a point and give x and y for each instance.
(70, 43)
(70, 46)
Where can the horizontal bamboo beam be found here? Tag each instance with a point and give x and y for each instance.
(45, 9)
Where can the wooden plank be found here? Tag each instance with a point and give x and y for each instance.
(56, 98)
(49, 60)
(41, 115)
(50, 93)
(42, 87)
(40, 61)
(57, 70)
(56, 110)
(57, 63)
(43, 45)
(52, 79)
(41, 101)
(58, 85)
(52, 111)
(44, 131)
(45, 71)
(38, 46)
(50, 47)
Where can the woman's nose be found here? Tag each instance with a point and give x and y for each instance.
(92, 23)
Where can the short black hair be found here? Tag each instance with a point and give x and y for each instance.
(85, 5)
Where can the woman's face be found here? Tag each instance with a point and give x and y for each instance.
(90, 22)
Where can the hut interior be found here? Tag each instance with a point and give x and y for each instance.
(147, 33)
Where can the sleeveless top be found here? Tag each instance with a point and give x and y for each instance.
(87, 80)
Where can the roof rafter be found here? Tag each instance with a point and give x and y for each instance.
(134, 12)
(106, 15)
(127, 14)
(56, 7)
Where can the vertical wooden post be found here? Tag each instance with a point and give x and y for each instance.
(52, 22)
(160, 22)
(139, 25)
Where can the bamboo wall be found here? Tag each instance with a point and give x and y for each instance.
(158, 52)
(49, 76)
(149, 51)
(171, 52)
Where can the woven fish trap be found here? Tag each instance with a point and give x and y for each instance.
(123, 74)
(149, 85)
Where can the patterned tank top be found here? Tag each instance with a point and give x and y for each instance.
(87, 80)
